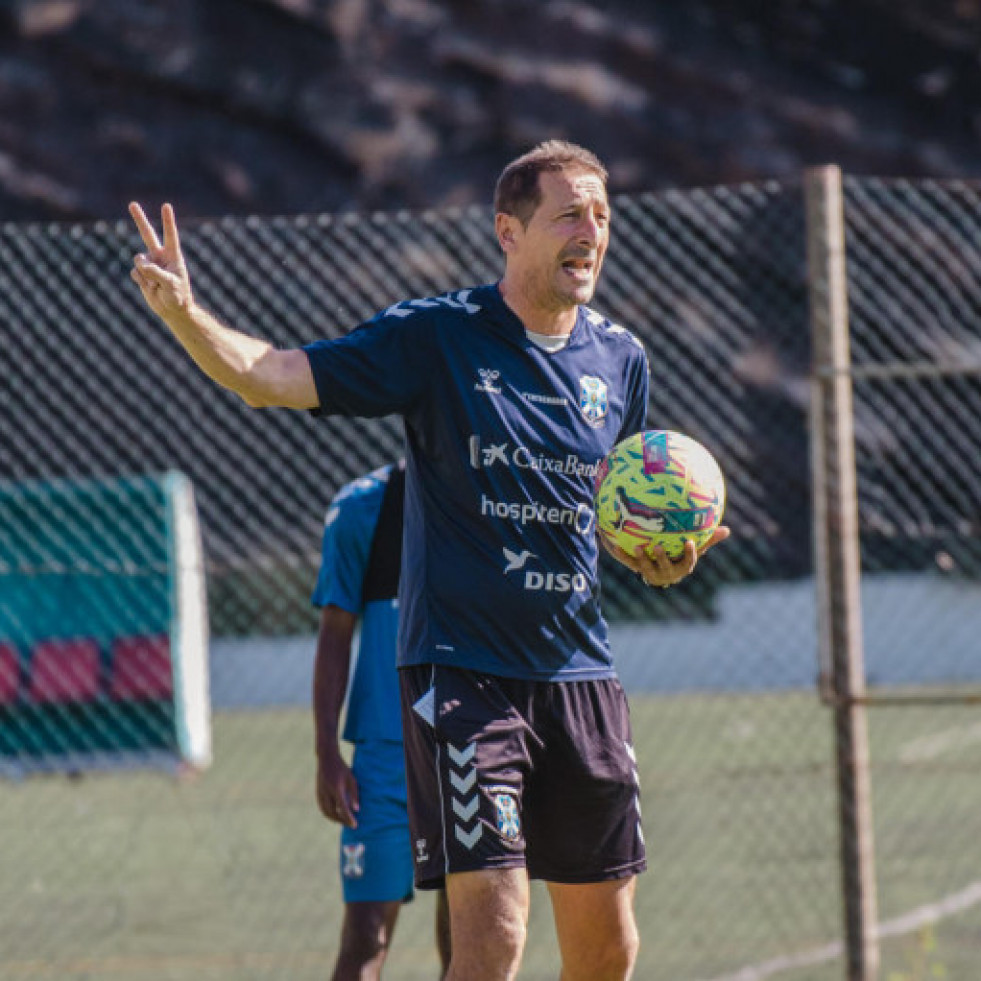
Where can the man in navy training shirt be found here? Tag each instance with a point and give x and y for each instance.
(517, 736)
(358, 581)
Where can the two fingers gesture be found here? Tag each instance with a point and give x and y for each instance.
(160, 272)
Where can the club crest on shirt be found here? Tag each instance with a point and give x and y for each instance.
(508, 823)
(353, 860)
(593, 399)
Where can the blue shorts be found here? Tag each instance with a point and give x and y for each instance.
(376, 856)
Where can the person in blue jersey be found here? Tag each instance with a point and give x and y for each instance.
(357, 585)
(519, 755)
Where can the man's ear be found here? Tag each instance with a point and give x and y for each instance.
(508, 230)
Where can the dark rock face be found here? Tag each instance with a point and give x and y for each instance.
(281, 106)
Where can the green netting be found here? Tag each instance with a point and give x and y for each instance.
(87, 567)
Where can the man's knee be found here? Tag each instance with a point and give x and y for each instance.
(497, 932)
(621, 955)
(612, 960)
(488, 922)
(597, 930)
(366, 935)
(363, 947)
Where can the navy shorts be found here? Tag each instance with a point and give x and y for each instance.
(507, 773)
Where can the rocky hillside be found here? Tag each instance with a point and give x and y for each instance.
(279, 106)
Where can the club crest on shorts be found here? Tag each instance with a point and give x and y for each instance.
(353, 860)
(508, 823)
(593, 399)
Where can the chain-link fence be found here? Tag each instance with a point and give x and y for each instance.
(914, 304)
(232, 872)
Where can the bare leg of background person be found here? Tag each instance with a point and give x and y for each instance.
(443, 946)
(366, 937)
(489, 923)
(596, 929)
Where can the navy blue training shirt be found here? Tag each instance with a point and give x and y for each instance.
(499, 559)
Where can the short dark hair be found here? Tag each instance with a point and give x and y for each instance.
(518, 192)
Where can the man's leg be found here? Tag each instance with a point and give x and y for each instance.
(375, 862)
(596, 929)
(489, 917)
(366, 937)
(466, 756)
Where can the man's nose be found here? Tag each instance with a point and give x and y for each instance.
(590, 231)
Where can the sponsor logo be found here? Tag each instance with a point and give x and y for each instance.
(353, 860)
(626, 511)
(522, 458)
(422, 851)
(579, 518)
(593, 399)
(488, 381)
(652, 520)
(545, 399)
(555, 582)
(516, 560)
(536, 581)
(487, 456)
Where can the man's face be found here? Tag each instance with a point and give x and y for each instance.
(556, 259)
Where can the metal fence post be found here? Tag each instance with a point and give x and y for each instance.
(838, 565)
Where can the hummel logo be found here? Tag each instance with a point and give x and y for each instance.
(462, 784)
(466, 811)
(461, 757)
(468, 839)
(455, 301)
(488, 381)
(516, 560)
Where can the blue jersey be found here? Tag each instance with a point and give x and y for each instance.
(499, 559)
(373, 710)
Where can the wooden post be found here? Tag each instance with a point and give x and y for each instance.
(838, 563)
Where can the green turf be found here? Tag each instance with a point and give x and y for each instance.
(232, 875)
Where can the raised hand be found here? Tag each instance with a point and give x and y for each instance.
(160, 272)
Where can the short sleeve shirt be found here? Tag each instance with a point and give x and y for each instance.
(499, 559)
(373, 710)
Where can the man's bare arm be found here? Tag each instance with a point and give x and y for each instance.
(252, 368)
(337, 790)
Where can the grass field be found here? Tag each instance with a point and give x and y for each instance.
(232, 874)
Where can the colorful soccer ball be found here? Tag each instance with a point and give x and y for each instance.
(658, 488)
